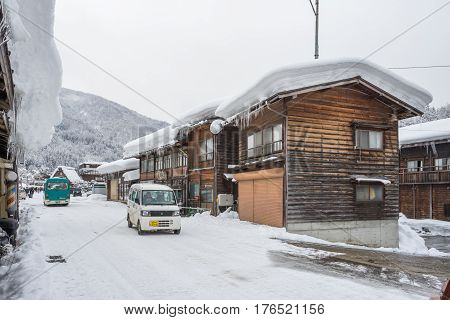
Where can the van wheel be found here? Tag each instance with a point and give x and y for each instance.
(130, 225)
(139, 230)
(177, 231)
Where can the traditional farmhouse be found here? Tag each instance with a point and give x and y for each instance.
(119, 176)
(318, 150)
(88, 171)
(425, 170)
(68, 173)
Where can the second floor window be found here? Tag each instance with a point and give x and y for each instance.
(206, 149)
(180, 160)
(167, 161)
(265, 142)
(415, 165)
(150, 164)
(369, 139)
(442, 164)
(159, 163)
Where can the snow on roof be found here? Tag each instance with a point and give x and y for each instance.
(361, 178)
(131, 175)
(37, 70)
(158, 139)
(317, 73)
(70, 174)
(424, 132)
(118, 166)
(93, 162)
(199, 113)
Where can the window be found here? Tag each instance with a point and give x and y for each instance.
(206, 149)
(368, 139)
(207, 195)
(194, 190)
(158, 197)
(143, 165)
(369, 193)
(159, 163)
(415, 165)
(265, 142)
(180, 160)
(442, 164)
(167, 162)
(136, 195)
(57, 186)
(447, 210)
(150, 164)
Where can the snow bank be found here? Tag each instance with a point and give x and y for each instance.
(318, 73)
(423, 132)
(96, 197)
(427, 226)
(131, 175)
(37, 70)
(118, 165)
(409, 241)
(200, 113)
(158, 139)
(70, 173)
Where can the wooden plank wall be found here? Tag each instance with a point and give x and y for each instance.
(322, 156)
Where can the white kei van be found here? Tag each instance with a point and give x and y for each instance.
(153, 207)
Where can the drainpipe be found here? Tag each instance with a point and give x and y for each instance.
(286, 164)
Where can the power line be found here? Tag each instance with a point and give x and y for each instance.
(420, 67)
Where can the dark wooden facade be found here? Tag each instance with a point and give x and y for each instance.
(319, 181)
(208, 159)
(166, 166)
(88, 172)
(425, 182)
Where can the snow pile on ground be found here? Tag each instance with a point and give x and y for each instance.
(410, 241)
(37, 70)
(229, 214)
(96, 197)
(70, 173)
(158, 139)
(427, 131)
(118, 165)
(305, 76)
(428, 227)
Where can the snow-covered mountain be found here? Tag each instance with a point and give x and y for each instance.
(93, 129)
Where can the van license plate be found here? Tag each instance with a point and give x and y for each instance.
(154, 223)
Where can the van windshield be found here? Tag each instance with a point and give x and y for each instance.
(57, 186)
(158, 197)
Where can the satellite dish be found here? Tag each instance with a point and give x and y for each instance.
(216, 126)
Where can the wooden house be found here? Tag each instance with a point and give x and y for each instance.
(117, 179)
(318, 150)
(9, 205)
(88, 171)
(425, 170)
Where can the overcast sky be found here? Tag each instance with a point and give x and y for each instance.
(183, 53)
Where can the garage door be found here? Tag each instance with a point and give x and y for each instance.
(261, 196)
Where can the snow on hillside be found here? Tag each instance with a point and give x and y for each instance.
(93, 129)
(37, 70)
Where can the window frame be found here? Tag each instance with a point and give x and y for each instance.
(357, 139)
(264, 148)
(369, 186)
(204, 155)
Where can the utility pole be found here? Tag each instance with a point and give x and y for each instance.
(316, 13)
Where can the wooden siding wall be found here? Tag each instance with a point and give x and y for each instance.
(322, 156)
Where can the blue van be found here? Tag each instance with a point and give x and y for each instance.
(57, 191)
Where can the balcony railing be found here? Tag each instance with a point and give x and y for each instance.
(425, 175)
(265, 149)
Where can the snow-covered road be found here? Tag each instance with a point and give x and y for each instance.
(212, 258)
